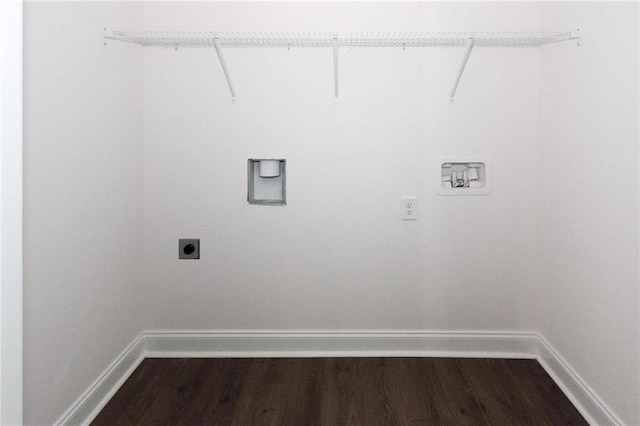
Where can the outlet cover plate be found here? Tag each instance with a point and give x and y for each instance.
(409, 208)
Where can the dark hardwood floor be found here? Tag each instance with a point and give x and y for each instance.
(339, 391)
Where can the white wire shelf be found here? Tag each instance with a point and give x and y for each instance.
(221, 40)
(326, 39)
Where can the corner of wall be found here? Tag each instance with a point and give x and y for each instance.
(83, 198)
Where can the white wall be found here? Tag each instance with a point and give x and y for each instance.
(83, 200)
(589, 200)
(11, 212)
(102, 220)
(338, 256)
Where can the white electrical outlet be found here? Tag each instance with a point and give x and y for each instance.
(409, 208)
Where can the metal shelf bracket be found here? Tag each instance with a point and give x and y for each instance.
(463, 64)
(223, 63)
(575, 34)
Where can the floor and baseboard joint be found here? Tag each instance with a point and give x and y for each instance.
(281, 344)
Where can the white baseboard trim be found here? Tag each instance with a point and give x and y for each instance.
(262, 344)
(93, 400)
(280, 344)
(585, 399)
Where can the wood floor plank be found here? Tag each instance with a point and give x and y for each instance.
(408, 390)
(539, 388)
(497, 393)
(339, 391)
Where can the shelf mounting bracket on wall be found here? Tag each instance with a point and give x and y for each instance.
(463, 64)
(336, 89)
(223, 63)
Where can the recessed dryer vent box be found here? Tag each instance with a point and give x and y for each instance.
(463, 176)
(267, 180)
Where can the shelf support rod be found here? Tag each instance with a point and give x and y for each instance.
(465, 58)
(336, 90)
(216, 43)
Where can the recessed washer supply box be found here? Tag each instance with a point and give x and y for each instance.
(267, 181)
(463, 176)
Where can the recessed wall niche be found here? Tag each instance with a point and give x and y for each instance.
(463, 176)
(267, 180)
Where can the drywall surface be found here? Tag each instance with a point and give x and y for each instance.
(337, 256)
(589, 199)
(82, 199)
(11, 212)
